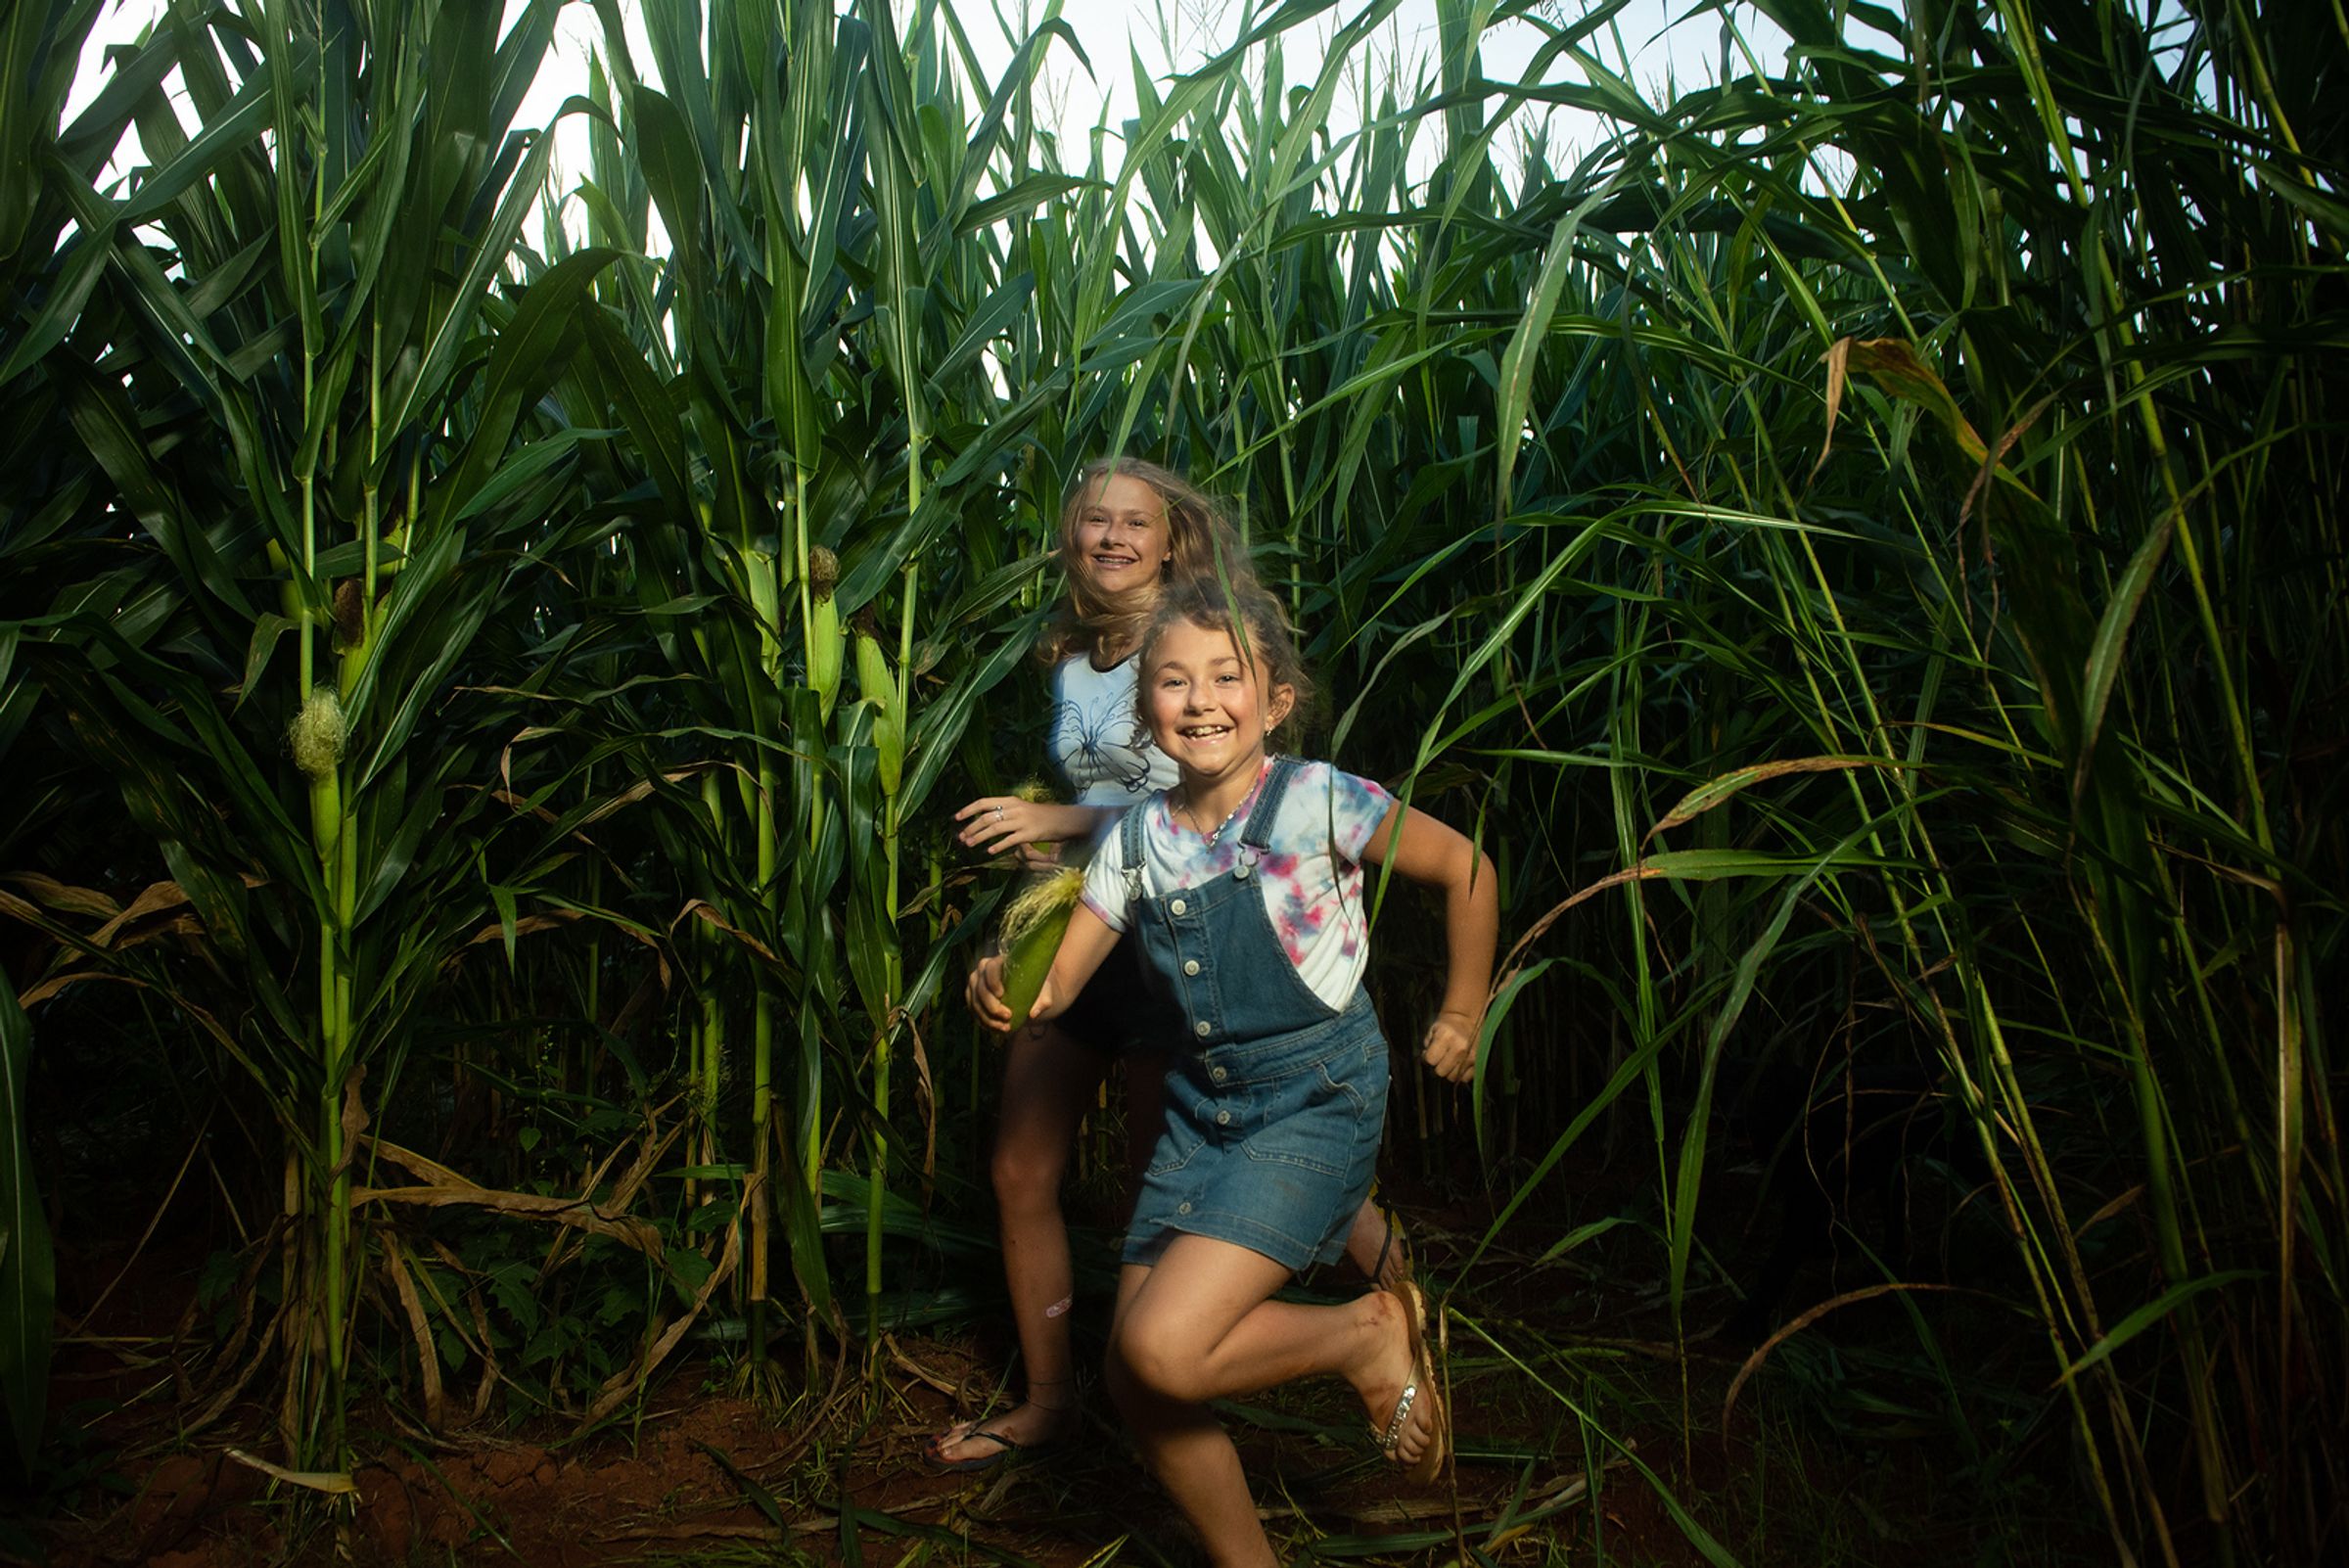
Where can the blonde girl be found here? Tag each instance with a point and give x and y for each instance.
(1127, 529)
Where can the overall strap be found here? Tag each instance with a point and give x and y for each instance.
(1129, 848)
(1259, 831)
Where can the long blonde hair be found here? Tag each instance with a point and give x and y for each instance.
(1200, 540)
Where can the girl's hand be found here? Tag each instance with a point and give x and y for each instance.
(984, 990)
(1435, 856)
(998, 824)
(1451, 1046)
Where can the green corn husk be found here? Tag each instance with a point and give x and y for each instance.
(880, 688)
(317, 737)
(1033, 926)
(289, 596)
(827, 641)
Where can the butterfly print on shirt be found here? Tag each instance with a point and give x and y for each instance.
(1111, 745)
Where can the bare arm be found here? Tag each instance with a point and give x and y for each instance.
(1001, 823)
(1083, 947)
(1438, 857)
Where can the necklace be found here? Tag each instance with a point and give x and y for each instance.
(1206, 838)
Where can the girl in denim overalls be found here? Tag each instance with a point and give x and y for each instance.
(1127, 531)
(1243, 886)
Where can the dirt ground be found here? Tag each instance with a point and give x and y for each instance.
(710, 1475)
(703, 1473)
(706, 1474)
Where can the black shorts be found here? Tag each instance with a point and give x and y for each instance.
(1120, 1013)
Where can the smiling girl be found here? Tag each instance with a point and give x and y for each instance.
(1128, 531)
(1241, 887)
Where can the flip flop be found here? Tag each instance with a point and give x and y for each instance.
(1006, 1447)
(1420, 1390)
(1396, 1245)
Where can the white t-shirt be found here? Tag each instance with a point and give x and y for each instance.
(1096, 739)
(1310, 873)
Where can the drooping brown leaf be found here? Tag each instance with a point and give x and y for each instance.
(354, 1120)
(154, 898)
(52, 894)
(445, 1188)
(622, 1384)
(1787, 1331)
(702, 910)
(1838, 360)
(428, 1354)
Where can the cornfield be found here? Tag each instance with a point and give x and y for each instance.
(485, 660)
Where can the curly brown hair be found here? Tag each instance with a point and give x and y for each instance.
(1258, 625)
(1204, 545)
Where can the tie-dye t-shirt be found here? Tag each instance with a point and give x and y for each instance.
(1310, 872)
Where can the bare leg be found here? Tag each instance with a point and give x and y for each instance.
(1049, 1081)
(1200, 1326)
(1369, 1250)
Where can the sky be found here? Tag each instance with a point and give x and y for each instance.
(1112, 33)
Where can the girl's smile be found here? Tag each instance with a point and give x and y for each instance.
(1209, 710)
(1122, 535)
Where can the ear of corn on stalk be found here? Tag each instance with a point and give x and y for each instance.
(316, 738)
(880, 688)
(317, 732)
(826, 641)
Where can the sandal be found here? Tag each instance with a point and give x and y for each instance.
(934, 1451)
(1395, 1250)
(937, 1465)
(1420, 1390)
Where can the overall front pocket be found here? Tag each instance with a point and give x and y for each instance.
(1315, 1127)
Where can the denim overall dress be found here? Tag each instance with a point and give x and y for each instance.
(1275, 1104)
